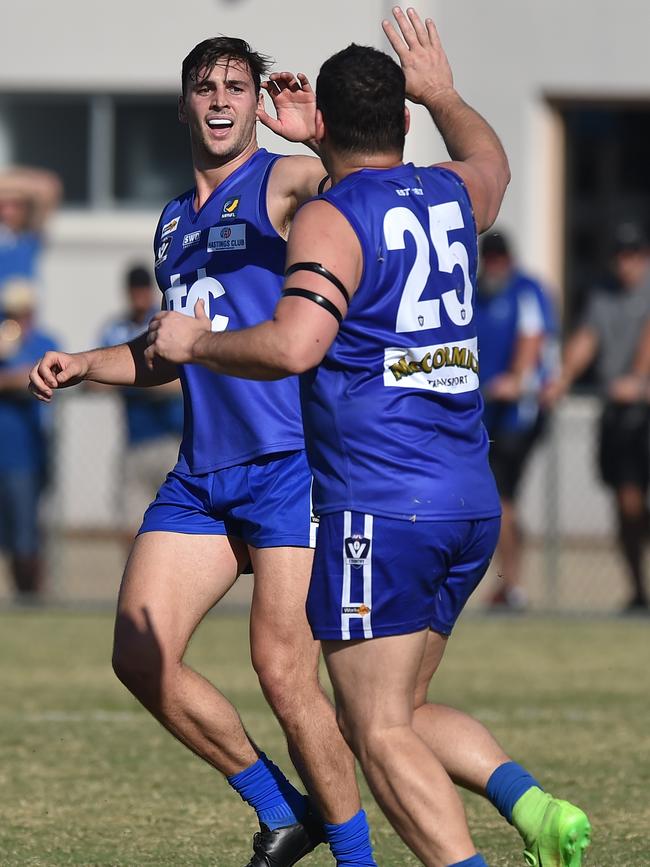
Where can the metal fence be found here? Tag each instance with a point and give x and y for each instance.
(571, 562)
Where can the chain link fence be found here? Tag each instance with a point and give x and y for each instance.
(571, 561)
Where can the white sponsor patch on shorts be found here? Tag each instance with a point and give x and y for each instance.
(227, 238)
(448, 368)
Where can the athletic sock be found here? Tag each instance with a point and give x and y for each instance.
(264, 786)
(506, 786)
(475, 861)
(350, 842)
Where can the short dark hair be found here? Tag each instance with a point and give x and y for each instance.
(361, 93)
(138, 276)
(494, 243)
(205, 56)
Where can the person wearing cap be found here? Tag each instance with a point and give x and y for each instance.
(23, 438)
(614, 336)
(153, 416)
(516, 329)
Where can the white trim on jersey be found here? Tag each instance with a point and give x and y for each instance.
(346, 589)
(313, 523)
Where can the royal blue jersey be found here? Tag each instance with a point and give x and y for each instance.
(392, 415)
(229, 255)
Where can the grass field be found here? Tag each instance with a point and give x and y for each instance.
(87, 778)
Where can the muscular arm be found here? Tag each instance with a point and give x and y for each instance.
(476, 152)
(300, 333)
(114, 365)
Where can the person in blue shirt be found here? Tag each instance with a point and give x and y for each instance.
(240, 491)
(377, 317)
(28, 196)
(517, 334)
(153, 416)
(24, 439)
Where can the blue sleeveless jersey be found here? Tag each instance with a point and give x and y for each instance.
(392, 416)
(229, 255)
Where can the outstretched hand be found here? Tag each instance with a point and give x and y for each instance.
(171, 336)
(56, 370)
(295, 106)
(421, 55)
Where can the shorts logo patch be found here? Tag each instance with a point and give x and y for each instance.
(230, 208)
(161, 252)
(224, 238)
(191, 239)
(356, 549)
(361, 610)
(170, 227)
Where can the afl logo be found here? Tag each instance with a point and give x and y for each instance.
(226, 233)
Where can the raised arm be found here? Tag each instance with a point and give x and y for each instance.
(294, 179)
(114, 365)
(476, 152)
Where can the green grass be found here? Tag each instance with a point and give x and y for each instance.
(88, 778)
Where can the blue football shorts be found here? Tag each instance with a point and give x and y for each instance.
(265, 502)
(375, 576)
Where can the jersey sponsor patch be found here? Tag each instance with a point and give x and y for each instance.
(162, 251)
(170, 227)
(191, 239)
(447, 368)
(230, 207)
(223, 238)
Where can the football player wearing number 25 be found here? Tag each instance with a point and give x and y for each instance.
(377, 318)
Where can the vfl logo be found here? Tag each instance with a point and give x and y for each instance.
(161, 252)
(229, 211)
(357, 548)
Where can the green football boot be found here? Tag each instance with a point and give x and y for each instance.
(561, 838)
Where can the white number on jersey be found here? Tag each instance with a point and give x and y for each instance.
(178, 298)
(414, 314)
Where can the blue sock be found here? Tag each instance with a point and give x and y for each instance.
(475, 861)
(506, 785)
(350, 842)
(270, 794)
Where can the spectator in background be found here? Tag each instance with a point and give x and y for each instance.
(515, 325)
(614, 335)
(154, 416)
(23, 438)
(27, 198)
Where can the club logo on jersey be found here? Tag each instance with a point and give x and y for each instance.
(170, 227)
(223, 238)
(360, 610)
(161, 252)
(357, 548)
(229, 211)
(190, 239)
(447, 368)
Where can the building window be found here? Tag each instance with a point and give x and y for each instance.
(111, 151)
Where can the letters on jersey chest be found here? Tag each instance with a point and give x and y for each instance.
(202, 260)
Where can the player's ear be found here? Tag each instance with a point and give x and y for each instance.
(320, 125)
(407, 119)
(260, 100)
(182, 116)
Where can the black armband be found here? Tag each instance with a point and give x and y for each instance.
(323, 302)
(317, 268)
(321, 186)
